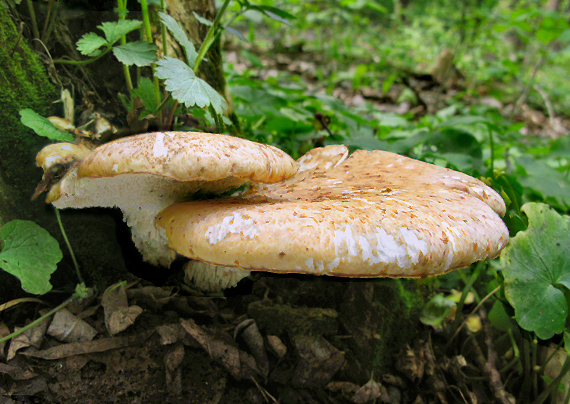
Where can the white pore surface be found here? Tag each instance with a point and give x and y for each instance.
(213, 278)
(140, 197)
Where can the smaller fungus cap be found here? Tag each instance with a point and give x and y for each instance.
(143, 174)
(60, 153)
(374, 214)
(187, 156)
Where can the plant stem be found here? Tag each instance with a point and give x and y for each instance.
(163, 31)
(33, 19)
(68, 246)
(121, 10)
(553, 386)
(39, 320)
(210, 36)
(83, 62)
(148, 34)
(492, 147)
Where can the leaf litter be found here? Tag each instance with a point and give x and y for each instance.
(219, 353)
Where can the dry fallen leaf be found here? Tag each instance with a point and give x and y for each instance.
(118, 314)
(66, 327)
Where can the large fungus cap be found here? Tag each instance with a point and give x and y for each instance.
(374, 214)
(143, 174)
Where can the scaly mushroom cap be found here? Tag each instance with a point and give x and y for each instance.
(188, 156)
(143, 174)
(375, 214)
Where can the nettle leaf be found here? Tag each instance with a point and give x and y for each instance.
(30, 254)
(185, 87)
(136, 53)
(90, 42)
(536, 267)
(178, 33)
(115, 30)
(42, 126)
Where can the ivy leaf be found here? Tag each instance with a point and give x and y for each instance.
(115, 30)
(178, 33)
(536, 265)
(135, 53)
(185, 87)
(30, 254)
(42, 126)
(90, 42)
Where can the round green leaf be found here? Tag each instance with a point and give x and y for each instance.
(30, 253)
(536, 267)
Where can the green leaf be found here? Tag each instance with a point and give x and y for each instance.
(136, 53)
(552, 185)
(178, 33)
(235, 32)
(275, 13)
(115, 30)
(202, 20)
(43, 127)
(145, 91)
(436, 310)
(535, 265)
(30, 254)
(90, 42)
(185, 87)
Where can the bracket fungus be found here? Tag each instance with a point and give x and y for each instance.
(375, 214)
(144, 174)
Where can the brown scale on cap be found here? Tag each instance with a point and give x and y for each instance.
(374, 214)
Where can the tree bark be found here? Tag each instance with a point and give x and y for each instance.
(25, 84)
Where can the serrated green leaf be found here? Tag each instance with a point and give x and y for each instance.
(115, 30)
(90, 42)
(178, 33)
(185, 87)
(202, 20)
(43, 127)
(535, 264)
(30, 254)
(136, 53)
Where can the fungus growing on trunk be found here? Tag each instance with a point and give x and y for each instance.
(375, 214)
(144, 174)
